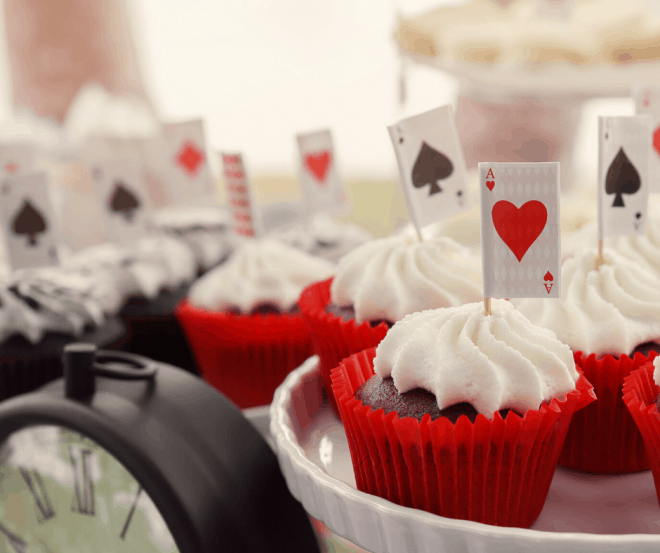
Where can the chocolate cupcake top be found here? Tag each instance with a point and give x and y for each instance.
(609, 309)
(493, 362)
(392, 277)
(323, 237)
(259, 272)
(35, 302)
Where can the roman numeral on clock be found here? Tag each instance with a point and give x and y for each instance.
(36, 486)
(130, 514)
(83, 497)
(17, 543)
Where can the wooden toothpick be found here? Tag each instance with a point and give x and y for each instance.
(487, 309)
(600, 260)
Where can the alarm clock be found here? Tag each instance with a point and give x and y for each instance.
(126, 454)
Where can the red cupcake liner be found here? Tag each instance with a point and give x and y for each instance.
(246, 357)
(334, 338)
(603, 437)
(491, 471)
(639, 394)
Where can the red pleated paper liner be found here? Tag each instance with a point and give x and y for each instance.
(603, 437)
(495, 472)
(246, 357)
(334, 338)
(639, 394)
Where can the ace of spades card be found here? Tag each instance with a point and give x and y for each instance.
(432, 166)
(623, 175)
(188, 176)
(28, 221)
(647, 102)
(120, 190)
(322, 189)
(520, 229)
(16, 158)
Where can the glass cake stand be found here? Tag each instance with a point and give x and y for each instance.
(583, 512)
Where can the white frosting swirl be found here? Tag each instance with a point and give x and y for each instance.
(259, 271)
(393, 277)
(495, 362)
(611, 309)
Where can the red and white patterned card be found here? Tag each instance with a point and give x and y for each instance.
(28, 222)
(240, 197)
(189, 178)
(623, 175)
(432, 166)
(520, 231)
(322, 189)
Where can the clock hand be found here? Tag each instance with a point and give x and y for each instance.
(130, 514)
(17, 543)
(38, 490)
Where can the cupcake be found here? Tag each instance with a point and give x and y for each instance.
(461, 414)
(206, 230)
(242, 321)
(40, 312)
(378, 284)
(610, 317)
(323, 236)
(641, 394)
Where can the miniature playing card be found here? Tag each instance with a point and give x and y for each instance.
(432, 166)
(120, 189)
(239, 194)
(189, 178)
(28, 221)
(520, 229)
(647, 102)
(322, 189)
(623, 175)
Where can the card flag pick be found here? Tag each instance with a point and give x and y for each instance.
(28, 221)
(119, 187)
(647, 102)
(240, 196)
(520, 230)
(624, 156)
(322, 189)
(432, 166)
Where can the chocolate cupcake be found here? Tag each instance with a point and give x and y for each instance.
(40, 312)
(461, 414)
(242, 322)
(609, 316)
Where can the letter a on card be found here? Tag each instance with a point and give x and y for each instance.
(520, 229)
(432, 166)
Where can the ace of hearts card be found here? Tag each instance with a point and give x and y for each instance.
(520, 232)
(28, 221)
(431, 165)
(647, 102)
(623, 175)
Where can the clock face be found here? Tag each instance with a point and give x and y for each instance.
(61, 492)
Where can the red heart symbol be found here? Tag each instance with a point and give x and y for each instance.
(519, 227)
(548, 276)
(11, 167)
(318, 164)
(656, 140)
(490, 184)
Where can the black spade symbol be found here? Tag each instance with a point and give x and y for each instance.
(123, 201)
(430, 167)
(638, 215)
(30, 222)
(622, 178)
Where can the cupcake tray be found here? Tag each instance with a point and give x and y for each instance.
(582, 511)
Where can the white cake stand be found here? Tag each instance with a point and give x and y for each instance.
(608, 514)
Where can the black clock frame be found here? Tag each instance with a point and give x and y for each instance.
(214, 479)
